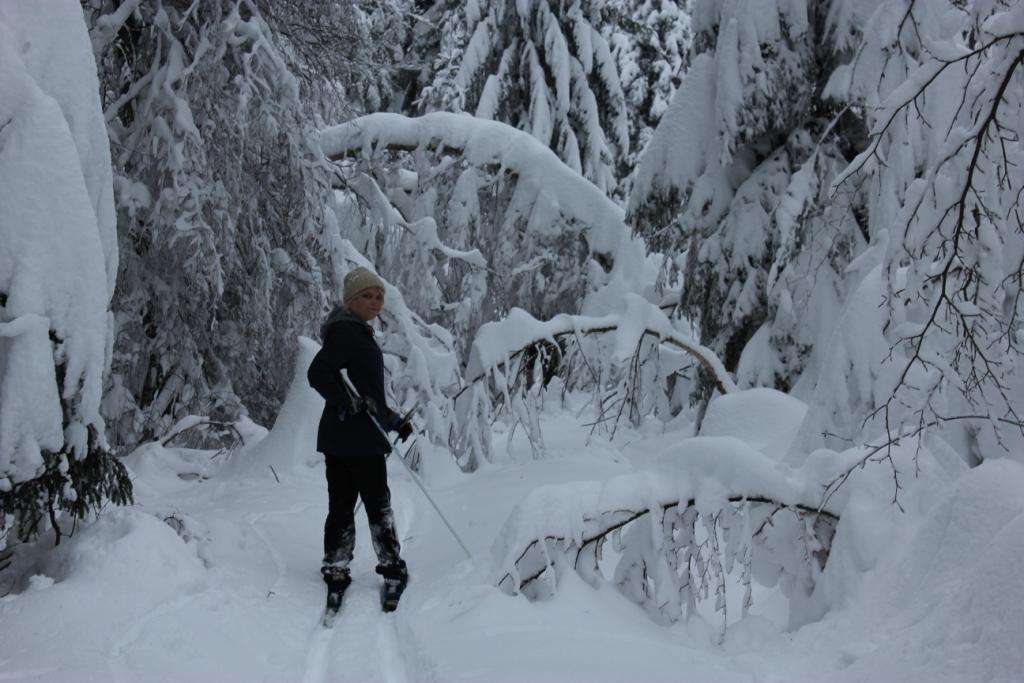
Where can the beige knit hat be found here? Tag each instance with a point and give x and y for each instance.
(357, 280)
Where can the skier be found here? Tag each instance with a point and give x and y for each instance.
(354, 448)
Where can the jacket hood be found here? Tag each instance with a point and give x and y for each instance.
(340, 314)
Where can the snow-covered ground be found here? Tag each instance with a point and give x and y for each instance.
(212, 575)
(215, 578)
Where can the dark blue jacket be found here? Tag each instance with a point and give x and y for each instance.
(349, 345)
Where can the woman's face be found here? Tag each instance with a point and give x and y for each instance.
(367, 303)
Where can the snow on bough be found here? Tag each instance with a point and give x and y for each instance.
(674, 540)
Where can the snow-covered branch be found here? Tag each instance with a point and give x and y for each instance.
(947, 137)
(424, 229)
(552, 187)
(677, 530)
(532, 563)
(498, 342)
(628, 360)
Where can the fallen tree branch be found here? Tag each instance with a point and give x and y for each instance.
(605, 523)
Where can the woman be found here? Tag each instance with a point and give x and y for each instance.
(353, 447)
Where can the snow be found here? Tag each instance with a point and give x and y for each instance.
(235, 593)
(554, 189)
(1006, 23)
(57, 53)
(764, 418)
(59, 255)
(212, 574)
(943, 606)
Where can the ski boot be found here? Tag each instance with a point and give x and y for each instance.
(395, 579)
(336, 582)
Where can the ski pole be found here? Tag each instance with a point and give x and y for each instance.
(415, 477)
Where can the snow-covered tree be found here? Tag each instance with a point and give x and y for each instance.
(734, 186)
(938, 304)
(471, 218)
(220, 191)
(344, 54)
(543, 67)
(649, 40)
(57, 269)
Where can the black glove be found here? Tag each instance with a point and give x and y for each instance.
(402, 426)
(404, 430)
(358, 404)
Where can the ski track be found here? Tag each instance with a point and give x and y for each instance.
(118, 652)
(391, 650)
(275, 554)
(317, 655)
(364, 643)
(357, 647)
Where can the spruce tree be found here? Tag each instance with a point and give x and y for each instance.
(649, 40)
(734, 186)
(57, 268)
(543, 67)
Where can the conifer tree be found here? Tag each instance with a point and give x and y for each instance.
(543, 67)
(734, 186)
(220, 190)
(649, 40)
(57, 268)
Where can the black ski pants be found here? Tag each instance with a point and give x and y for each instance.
(349, 478)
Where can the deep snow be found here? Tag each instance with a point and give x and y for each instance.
(215, 577)
(212, 574)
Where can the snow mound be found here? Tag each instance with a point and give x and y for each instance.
(292, 440)
(948, 603)
(158, 470)
(765, 419)
(129, 552)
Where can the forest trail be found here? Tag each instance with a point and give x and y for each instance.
(260, 595)
(362, 645)
(365, 644)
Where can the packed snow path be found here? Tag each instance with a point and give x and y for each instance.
(242, 599)
(364, 644)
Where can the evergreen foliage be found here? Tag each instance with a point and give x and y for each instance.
(735, 186)
(940, 85)
(543, 67)
(220, 191)
(649, 40)
(57, 269)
